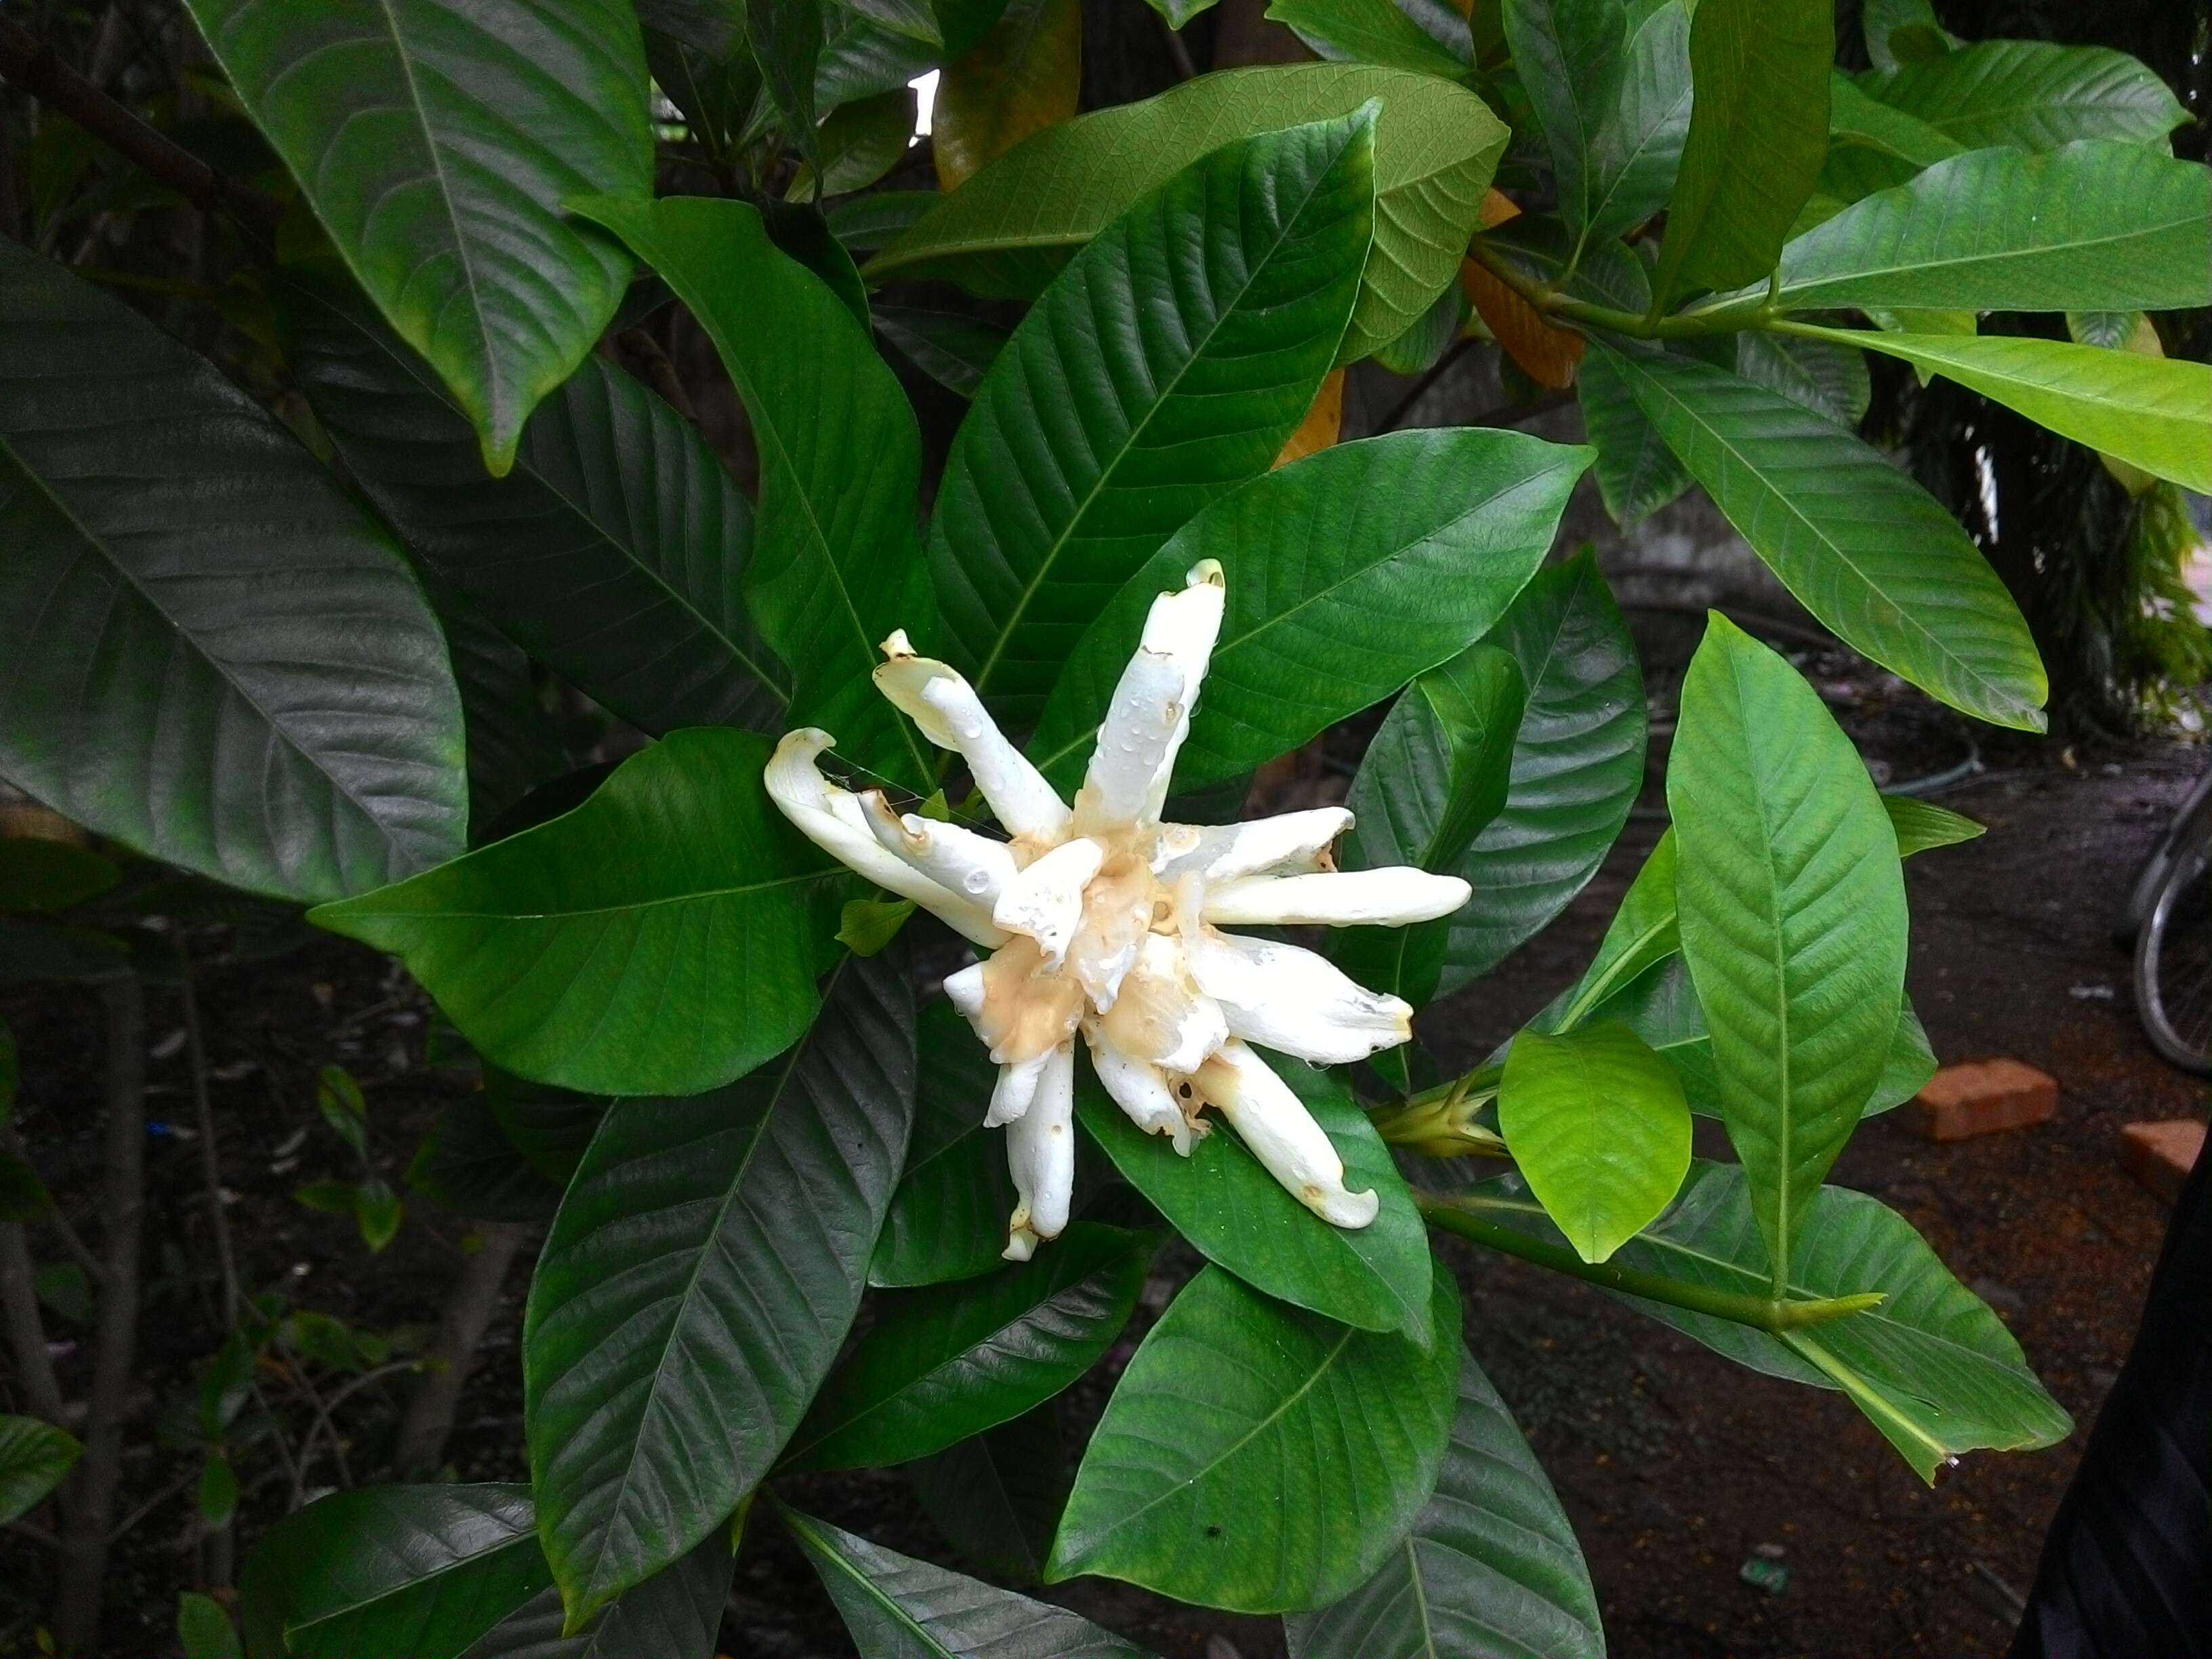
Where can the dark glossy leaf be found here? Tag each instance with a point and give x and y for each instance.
(897, 1607)
(1577, 764)
(34, 1458)
(614, 552)
(1932, 1367)
(1792, 915)
(467, 1163)
(675, 1614)
(270, 703)
(437, 141)
(1867, 550)
(1758, 131)
(947, 1220)
(1571, 55)
(1639, 145)
(2033, 94)
(1348, 574)
(861, 143)
(422, 1570)
(1417, 350)
(1637, 473)
(1375, 32)
(513, 746)
(697, 1283)
(941, 1364)
(711, 26)
(1826, 376)
(867, 223)
(996, 1497)
(1202, 1480)
(1098, 432)
(786, 40)
(548, 1127)
(663, 936)
(836, 566)
(1491, 1570)
(1233, 1211)
(953, 350)
(1008, 229)
(716, 90)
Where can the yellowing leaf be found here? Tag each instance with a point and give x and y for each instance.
(1322, 424)
(1549, 352)
(1020, 78)
(1497, 207)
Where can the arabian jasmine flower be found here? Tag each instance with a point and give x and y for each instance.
(1102, 922)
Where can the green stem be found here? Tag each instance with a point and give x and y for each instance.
(1774, 1316)
(1732, 319)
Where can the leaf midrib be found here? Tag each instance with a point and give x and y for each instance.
(700, 896)
(459, 1564)
(1813, 285)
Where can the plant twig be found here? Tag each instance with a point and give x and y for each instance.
(210, 1155)
(1760, 1313)
(429, 1421)
(92, 1505)
(1732, 317)
(35, 66)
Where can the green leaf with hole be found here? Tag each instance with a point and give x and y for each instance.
(1068, 473)
(897, 1607)
(1231, 1211)
(1793, 917)
(1201, 1481)
(1758, 131)
(2095, 226)
(1867, 550)
(697, 1284)
(273, 707)
(941, 1364)
(1571, 55)
(437, 141)
(835, 564)
(1490, 1571)
(34, 1458)
(1008, 229)
(2155, 413)
(1597, 1124)
(1348, 574)
(661, 938)
(2031, 94)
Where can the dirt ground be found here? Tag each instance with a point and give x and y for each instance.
(1676, 1466)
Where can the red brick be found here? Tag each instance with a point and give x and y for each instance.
(2161, 1155)
(1980, 1098)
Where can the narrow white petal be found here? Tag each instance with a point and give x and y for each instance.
(1161, 1017)
(951, 715)
(1390, 897)
(1045, 900)
(1294, 843)
(1282, 1134)
(1016, 1088)
(1139, 1089)
(1182, 628)
(965, 991)
(831, 818)
(1041, 1155)
(957, 859)
(1292, 1001)
(1135, 745)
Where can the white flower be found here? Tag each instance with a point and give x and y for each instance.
(1099, 920)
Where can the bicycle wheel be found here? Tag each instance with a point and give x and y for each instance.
(2173, 963)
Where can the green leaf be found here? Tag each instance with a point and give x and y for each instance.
(897, 1607)
(947, 1220)
(1638, 148)
(996, 1497)
(1825, 375)
(34, 1457)
(1758, 131)
(2155, 413)
(675, 1614)
(1425, 341)
(787, 43)
(1637, 473)
(941, 1364)
(2033, 94)
(1932, 1367)
(1864, 548)
(1022, 76)
(1349, 573)
(1372, 31)
(2092, 227)
(550, 1127)
(376, 1212)
(1103, 427)
(1008, 229)
(422, 1570)
(613, 552)
(953, 350)
(866, 926)
(1922, 825)
(308, 741)
(44, 951)
(1571, 55)
(1598, 1126)
(467, 1163)
(1890, 145)
(836, 566)
(859, 142)
(1577, 764)
(662, 936)
(218, 1492)
(1901, 29)
(514, 744)
(1231, 1211)
(697, 1284)
(66, 1290)
(436, 140)
(204, 1630)
(51, 875)
(1793, 917)
(1202, 1480)
(1491, 1570)
(23, 1195)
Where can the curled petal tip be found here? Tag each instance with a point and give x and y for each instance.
(1021, 1244)
(1206, 573)
(1343, 1209)
(896, 645)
